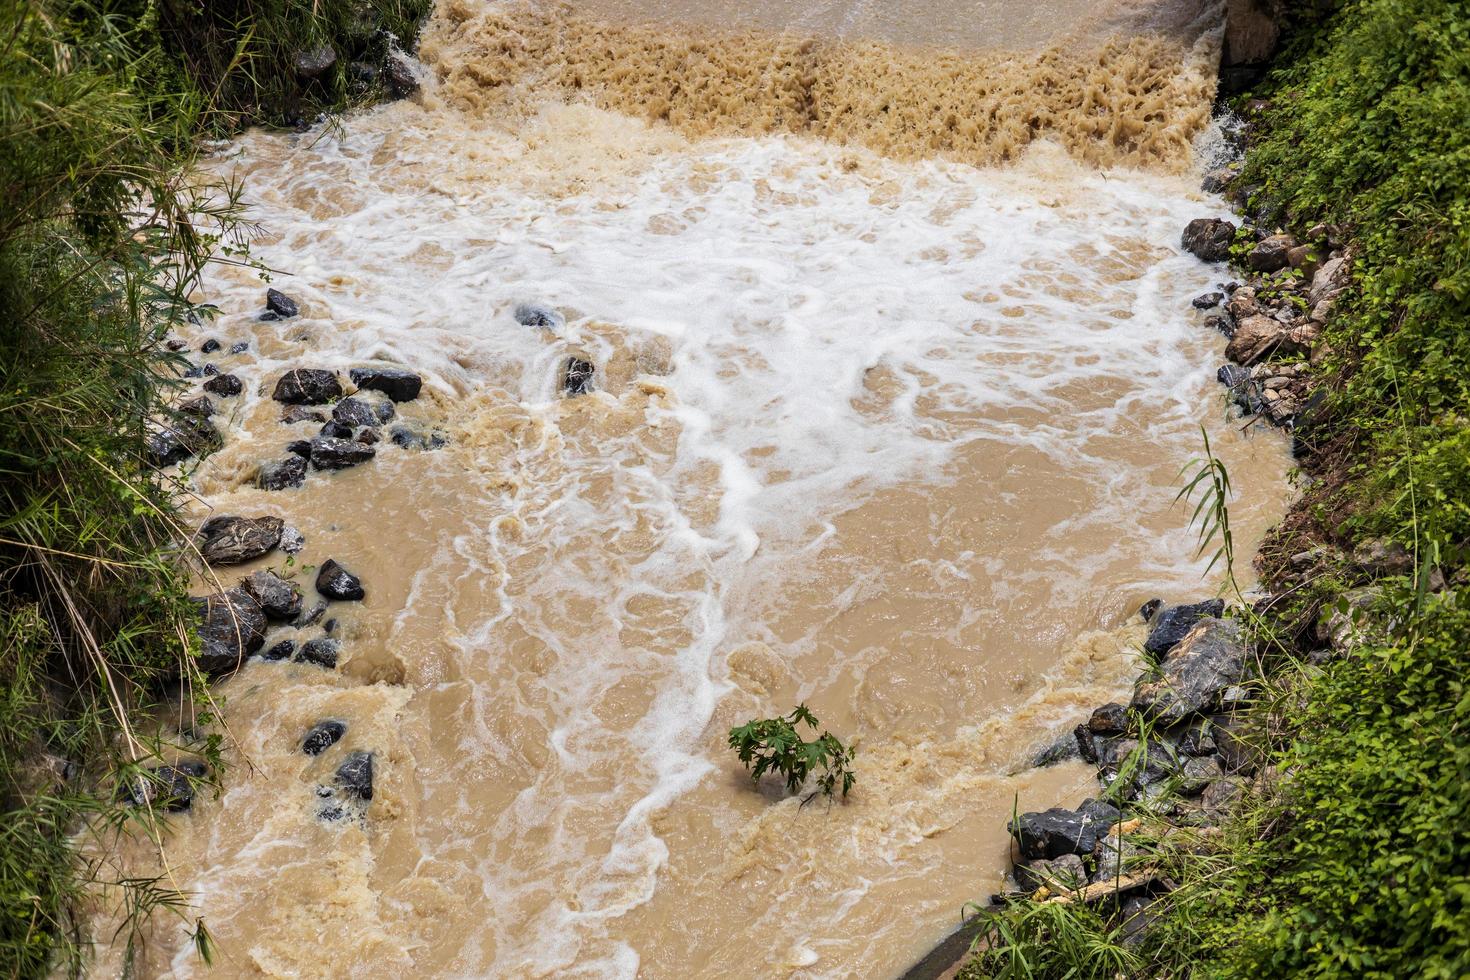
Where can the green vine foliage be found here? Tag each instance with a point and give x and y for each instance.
(775, 745)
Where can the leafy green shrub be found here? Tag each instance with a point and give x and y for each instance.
(775, 745)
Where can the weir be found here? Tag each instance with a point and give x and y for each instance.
(895, 373)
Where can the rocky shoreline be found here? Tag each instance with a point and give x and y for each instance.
(1181, 754)
(329, 424)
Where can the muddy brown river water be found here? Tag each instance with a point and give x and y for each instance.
(896, 373)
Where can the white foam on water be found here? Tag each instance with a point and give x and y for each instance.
(839, 325)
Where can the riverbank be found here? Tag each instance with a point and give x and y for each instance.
(104, 231)
(1328, 837)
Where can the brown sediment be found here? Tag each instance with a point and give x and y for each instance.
(1114, 100)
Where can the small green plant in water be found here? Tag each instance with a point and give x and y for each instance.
(775, 745)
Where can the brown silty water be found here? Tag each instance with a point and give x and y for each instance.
(878, 426)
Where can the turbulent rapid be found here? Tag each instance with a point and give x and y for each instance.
(878, 424)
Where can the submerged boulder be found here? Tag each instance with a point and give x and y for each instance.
(578, 376)
(334, 453)
(355, 776)
(1208, 238)
(398, 384)
(231, 628)
(181, 436)
(323, 735)
(233, 540)
(308, 386)
(322, 651)
(336, 582)
(282, 474)
(278, 303)
(277, 598)
(224, 385)
(355, 411)
(539, 315)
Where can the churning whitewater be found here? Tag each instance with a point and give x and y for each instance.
(876, 424)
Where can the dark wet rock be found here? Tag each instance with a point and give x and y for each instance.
(240, 347)
(1064, 873)
(210, 346)
(1173, 622)
(194, 371)
(1198, 739)
(315, 62)
(578, 376)
(225, 385)
(1222, 325)
(299, 447)
(1208, 238)
(292, 540)
(539, 315)
(1208, 300)
(175, 344)
(398, 384)
(322, 651)
(1210, 658)
(1060, 750)
(200, 407)
(308, 386)
(368, 436)
(168, 788)
(328, 453)
(284, 650)
(336, 582)
(210, 370)
(355, 776)
(406, 437)
(277, 598)
(1147, 610)
(311, 616)
(337, 430)
(1270, 254)
(281, 304)
(399, 76)
(1232, 375)
(1087, 743)
(300, 413)
(232, 540)
(323, 735)
(355, 411)
(231, 628)
(1110, 719)
(1052, 833)
(180, 437)
(330, 626)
